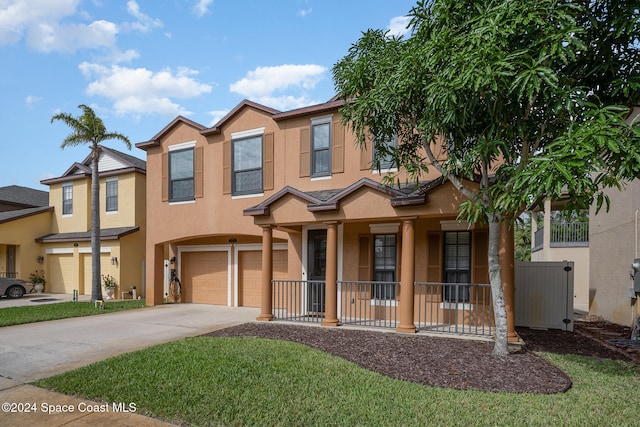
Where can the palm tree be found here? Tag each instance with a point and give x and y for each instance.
(89, 129)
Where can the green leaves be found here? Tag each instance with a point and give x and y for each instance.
(87, 128)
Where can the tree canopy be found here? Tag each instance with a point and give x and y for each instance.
(529, 99)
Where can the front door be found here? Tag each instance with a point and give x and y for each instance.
(11, 261)
(316, 270)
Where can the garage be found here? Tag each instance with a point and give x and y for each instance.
(205, 277)
(250, 275)
(61, 274)
(87, 277)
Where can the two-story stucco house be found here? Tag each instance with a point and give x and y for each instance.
(283, 211)
(66, 246)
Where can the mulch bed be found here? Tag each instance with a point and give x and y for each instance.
(436, 361)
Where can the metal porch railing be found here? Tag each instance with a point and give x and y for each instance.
(455, 308)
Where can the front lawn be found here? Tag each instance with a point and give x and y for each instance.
(39, 313)
(256, 381)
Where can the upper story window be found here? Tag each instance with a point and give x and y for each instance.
(247, 164)
(67, 199)
(321, 146)
(383, 154)
(112, 195)
(181, 172)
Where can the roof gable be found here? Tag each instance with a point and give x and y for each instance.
(155, 140)
(238, 108)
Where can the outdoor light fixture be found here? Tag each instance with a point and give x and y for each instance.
(172, 260)
(114, 260)
(233, 240)
(40, 259)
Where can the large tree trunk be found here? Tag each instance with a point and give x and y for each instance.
(96, 288)
(500, 313)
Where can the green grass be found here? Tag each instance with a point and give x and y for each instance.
(39, 313)
(251, 381)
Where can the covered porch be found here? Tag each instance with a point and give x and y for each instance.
(379, 257)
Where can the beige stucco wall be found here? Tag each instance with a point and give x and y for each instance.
(22, 233)
(613, 242)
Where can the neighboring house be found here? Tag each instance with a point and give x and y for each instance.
(556, 238)
(614, 244)
(66, 245)
(24, 215)
(283, 211)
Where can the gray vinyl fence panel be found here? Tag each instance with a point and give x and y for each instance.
(544, 295)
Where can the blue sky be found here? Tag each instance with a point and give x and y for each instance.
(141, 63)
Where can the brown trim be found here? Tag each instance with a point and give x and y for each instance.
(244, 104)
(155, 140)
(307, 111)
(84, 237)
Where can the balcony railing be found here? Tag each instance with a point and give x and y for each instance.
(455, 308)
(563, 234)
(570, 232)
(10, 275)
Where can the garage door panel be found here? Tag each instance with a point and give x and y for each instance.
(60, 274)
(205, 277)
(250, 275)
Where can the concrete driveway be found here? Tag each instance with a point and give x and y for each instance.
(39, 350)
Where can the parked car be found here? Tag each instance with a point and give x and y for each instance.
(14, 288)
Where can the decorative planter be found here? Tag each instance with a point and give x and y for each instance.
(38, 287)
(109, 292)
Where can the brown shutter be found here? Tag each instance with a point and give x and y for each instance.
(366, 154)
(226, 167)
(434, 257)
(364, 266)
(267, 170)
(165, 177)
(337, 149)
(305, 152)
(480, 248)
(198, 170)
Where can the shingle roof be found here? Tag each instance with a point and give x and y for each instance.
(22, 213)
(105, 234)
(24, 196)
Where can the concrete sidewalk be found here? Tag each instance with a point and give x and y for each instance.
(39, 350)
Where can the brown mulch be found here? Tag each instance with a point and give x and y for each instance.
(463, 364)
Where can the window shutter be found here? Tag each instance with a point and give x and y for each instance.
(434, 257)
(305, 152)
(366, 154)
(226, 167)
(337, 154)
(480, 265)
(165, 177)
(267, 171)
(198, 170)
(364, 259)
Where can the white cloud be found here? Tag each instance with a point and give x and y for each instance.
(69, 38)
(145, 23)
(19, 16)
(141, 91)
(201, 7)
(304, 12)
(398, 25)
(30, 100)
(217, 115)
(267, 84)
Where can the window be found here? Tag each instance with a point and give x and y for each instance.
(382, 157)
(247, 165)
(457, 265)
(112, 195)
(384, 266)
(321, 147)
(67, 199)
(181, 172)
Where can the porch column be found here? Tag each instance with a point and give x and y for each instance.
(407, 276)
(266, 305)
(331, 277)
(507, 271)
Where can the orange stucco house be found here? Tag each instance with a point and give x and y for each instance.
(284, 211)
